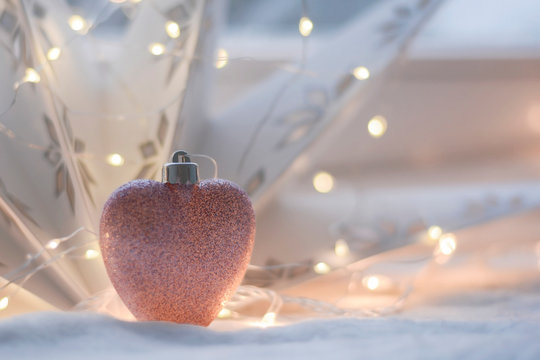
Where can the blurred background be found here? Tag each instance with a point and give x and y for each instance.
(358, 127)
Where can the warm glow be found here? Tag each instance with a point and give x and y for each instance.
(115, 159)
(305, 26)
(172, 29)
(377, 126)
(91, 254)
(224, 313)
(77, 23)
(156, 49)
(118, 1)
(53, 53)
(268, 319)
(31, 75)
(323, 182)
(52, 244)
(222, 59)
(371, 282)
(321, 268)
(434, 232)
(341, 248)
(361, 73)
(447, 244)
(4, 302)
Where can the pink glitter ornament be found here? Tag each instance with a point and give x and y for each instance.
(177, 250)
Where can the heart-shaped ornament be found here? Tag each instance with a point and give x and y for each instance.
(177, 250)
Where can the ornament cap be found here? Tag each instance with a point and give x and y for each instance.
(180, 170)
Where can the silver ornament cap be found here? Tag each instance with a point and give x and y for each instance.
(180, 170)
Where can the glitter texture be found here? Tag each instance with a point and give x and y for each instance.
(177, 252)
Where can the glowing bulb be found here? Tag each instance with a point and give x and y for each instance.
(305, 26)
(323, 182)
(322, 268)
(77, 23)
(377, 126)
(371, 282)
(447, 244)
(4, 302)
(269, 318)
(115, 159)
(434, 232)
(341, 248)
(361, 73)
(31, 75)
(224, 313)
(222, 59)
(172, 29)
(156, 49)
(53, 53)
(52, 244)
(91, 254)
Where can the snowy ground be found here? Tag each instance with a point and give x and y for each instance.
(487, 324)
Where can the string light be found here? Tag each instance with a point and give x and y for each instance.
(172, 29)
(52, 244)
(377, 126)
(222, 59)
(447, 244)
(341, 248)
(77, 23)
(371, 282)
(224, 313)
(115, 159)
(323, 182)
(53, 53)
(434, 232)
(156, 49)
(322, 268)
(361, 73)
(305, 26)
(268, 319)
(31, 75)
(4, 302)
(91, 254)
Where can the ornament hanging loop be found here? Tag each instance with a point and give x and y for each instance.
(181, 170)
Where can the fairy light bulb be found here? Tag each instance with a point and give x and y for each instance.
(447, 244)
(361, 73)
(322, 268)
(222, 59)
(224, 313)
(172, 29)
(268, 319)
(52, 244)
(156, 49)
(305, 26)
(31, 75)
(115, 159)
(434, 232)
(377, 126)
(323, 182)
(77, 23)
(341, 248)
(91, 254)
(4, 302)
(53, 53)
(371, 282)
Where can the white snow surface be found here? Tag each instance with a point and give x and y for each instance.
(481, 325)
